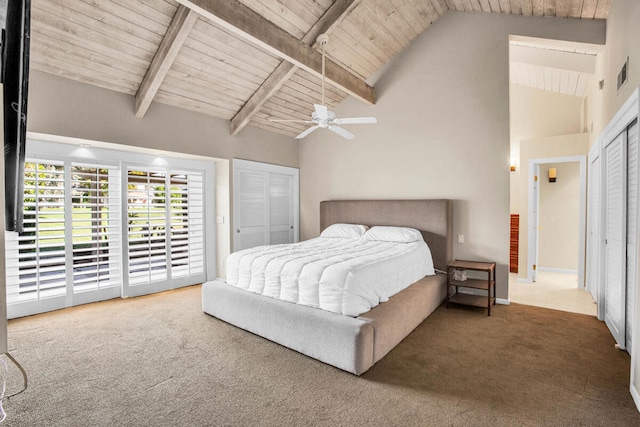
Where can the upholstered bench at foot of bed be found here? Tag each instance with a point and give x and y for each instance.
(351, 344)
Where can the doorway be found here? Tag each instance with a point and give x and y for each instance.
(549, 129)
(557, 216)
(556, 220)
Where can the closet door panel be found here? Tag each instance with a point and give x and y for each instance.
(632, 229)
(615, 238)
(265, 204)
(593, 228)
(252, 220)
(281, 209)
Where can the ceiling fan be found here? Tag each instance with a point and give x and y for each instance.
(322, 117)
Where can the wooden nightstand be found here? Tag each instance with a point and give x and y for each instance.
(487, 284)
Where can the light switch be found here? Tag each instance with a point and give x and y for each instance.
(219, 220)
(460, 238)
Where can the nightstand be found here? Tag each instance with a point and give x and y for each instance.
(487, 284)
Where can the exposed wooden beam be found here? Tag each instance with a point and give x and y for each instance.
(176, 34)
(332, 17)
(244, 22)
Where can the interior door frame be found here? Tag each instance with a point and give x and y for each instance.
(534, 209)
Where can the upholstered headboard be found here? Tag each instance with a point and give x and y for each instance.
(432, 217)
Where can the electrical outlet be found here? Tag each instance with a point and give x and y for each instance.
(460, 238)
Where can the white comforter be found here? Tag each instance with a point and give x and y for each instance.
(345, 276)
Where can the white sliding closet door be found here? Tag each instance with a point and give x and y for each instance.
(281, 218)
(265, 204)
(615, 238)
(250, 188)
(632, 229)
(593, 226)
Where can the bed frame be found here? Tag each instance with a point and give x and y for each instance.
(352, 344)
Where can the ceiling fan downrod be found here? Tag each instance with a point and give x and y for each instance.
(322, 40)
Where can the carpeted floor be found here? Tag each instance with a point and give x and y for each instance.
(159, 361)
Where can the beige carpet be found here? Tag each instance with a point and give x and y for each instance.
(159, 361)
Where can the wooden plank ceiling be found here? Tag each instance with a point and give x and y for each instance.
(246, 61)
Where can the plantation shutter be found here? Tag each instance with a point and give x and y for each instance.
(35, 258)
(187, 224)
(95, 231)
(147, 225)
(165, 229)
(95, 227)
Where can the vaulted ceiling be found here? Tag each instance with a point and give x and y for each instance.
(246, 61)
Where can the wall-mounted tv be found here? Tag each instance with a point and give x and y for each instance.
(15, 79)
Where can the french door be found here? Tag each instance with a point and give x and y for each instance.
(164, 236)
(70, 250)
(101, 230)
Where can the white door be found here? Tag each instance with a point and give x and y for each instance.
(251, 225)
(632, 229)
(615, 238)
(593, 230)
(281, 218)
(265, 204)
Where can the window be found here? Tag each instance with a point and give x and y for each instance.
(165, 228)
(95, 207)
(100, 230)
(36, 258)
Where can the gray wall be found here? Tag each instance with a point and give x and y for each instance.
(443, 131)
(64, 107)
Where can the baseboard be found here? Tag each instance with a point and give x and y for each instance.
(503, 301)
(558, 270)
(635, 395)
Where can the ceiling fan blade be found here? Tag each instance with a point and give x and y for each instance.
(307, 132)
(355, 120)
(289, 120)
(321, 111)
(342, 132)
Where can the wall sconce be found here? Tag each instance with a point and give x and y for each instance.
(552, 174)
(512, 165)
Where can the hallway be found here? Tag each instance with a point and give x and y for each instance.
(553, 290)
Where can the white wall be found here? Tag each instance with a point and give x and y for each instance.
(63, 107)
(536, 113)
(443, 131)
(541, 148)
(623, 39)
(559, 210)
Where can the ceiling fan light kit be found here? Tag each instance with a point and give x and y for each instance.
(321, 117)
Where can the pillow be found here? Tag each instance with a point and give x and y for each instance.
(393, 234)
(345, 231)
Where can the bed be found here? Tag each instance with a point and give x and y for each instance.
(350, 343)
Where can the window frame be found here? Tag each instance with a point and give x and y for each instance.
(73, 153)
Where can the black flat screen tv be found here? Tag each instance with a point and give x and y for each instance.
(15, 79)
